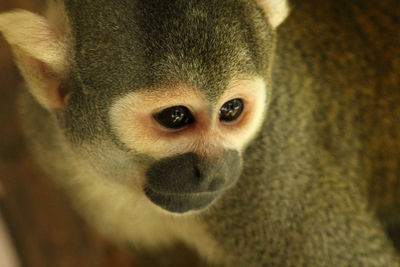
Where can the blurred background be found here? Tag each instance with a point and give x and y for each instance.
(45, 230)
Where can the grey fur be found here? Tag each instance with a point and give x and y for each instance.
(321, 181)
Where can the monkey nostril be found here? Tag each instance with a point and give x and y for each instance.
(197, 172)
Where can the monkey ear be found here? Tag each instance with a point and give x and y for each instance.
(275, 10)
(39, 53)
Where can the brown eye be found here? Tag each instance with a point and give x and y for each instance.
(231, 110)
(174, 117)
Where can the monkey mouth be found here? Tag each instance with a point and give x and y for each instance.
(181, 202)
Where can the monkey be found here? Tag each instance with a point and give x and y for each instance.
(258, 132)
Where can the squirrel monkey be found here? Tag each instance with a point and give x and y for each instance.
(186, 120)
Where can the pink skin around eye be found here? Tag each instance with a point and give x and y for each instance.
(133, 121)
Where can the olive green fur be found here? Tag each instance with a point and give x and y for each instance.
(321, 181)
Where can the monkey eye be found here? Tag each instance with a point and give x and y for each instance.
(231, 110)
(174, 117)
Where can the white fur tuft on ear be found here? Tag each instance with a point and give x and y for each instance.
(39, 52)
(32, 34)
(276, 10)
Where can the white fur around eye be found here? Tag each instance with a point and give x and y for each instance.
(132, 121)
(254, 96)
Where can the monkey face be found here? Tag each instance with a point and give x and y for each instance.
(168, 111)
(196, 145)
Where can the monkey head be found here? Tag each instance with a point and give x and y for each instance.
(161, 97)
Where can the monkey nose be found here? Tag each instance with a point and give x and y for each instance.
(184, 173)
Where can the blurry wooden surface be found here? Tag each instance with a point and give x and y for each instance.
(45, 229)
